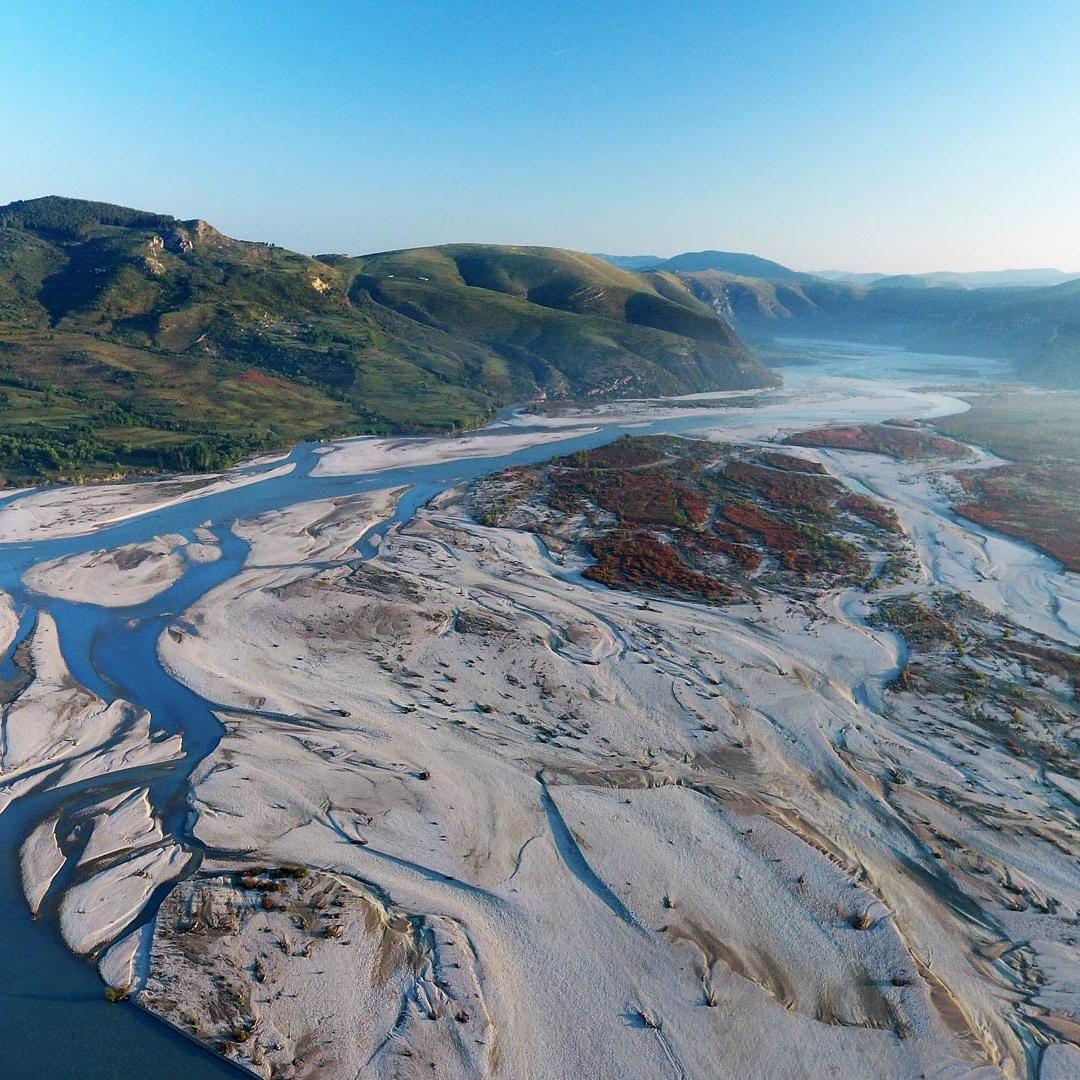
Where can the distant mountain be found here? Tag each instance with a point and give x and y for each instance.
(1029, 316)
(996, 279)
(846, 276)
(976, 279)
(134, 340)
(1038, 328)
(729, 262)
(912, 281)
(632, 262)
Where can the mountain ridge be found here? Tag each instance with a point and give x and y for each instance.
(982, 313)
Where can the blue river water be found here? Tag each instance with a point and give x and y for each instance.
(56, 1022)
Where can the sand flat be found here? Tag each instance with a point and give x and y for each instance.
(9, 623)
(80, 509)
(672, 806)
(354, 457)
(40, 860)
(94, 911)
(116, 577)
(57, 724)
(122, 823)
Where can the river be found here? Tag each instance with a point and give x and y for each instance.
(57, 1021)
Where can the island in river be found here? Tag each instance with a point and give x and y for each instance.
(663, 738)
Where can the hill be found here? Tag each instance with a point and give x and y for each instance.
(138, 341)
(1030, 316)
(729, 262)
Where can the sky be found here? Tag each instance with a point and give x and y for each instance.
(872, 136)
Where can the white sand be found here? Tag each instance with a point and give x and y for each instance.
(354, 457)
(1059, 1062)
(283, 546)
(116, 577)
(56, 721)
(388, 994)
(122, 823)
(564, 834)
(120, 963)
(75, 510)
(97, 909)
(202, 553)
(54, 717)
(322, 529)
(825, 400)
(9, 623)
(390, 725)
(40, 860)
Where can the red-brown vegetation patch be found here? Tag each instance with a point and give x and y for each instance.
(782, 540)
(792, 464)
(690, 518)
(733, 532)
(259, 378)
(637, 497)
(1039, 504)
(705, 544)
(785, 489)
(902, 443)
(800, 547)
(871, 511)
(641, 560)
(620, 454)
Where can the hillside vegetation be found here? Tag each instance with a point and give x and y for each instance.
(134, 341)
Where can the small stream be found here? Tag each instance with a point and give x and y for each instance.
(59, 1024)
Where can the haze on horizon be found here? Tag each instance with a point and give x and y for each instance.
(942, 136)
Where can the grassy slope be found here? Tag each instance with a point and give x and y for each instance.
(131, 340)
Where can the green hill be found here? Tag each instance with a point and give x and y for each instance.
(730, 262)
(136, 341)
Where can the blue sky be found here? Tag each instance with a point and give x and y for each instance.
(870, 136)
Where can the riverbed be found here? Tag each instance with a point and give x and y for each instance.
(58, 1021)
